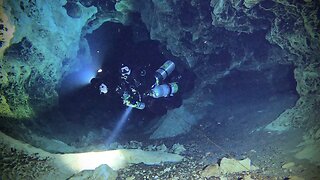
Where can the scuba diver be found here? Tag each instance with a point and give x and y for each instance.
(138, 90)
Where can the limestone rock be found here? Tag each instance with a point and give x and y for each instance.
(294, 29)
(288, 165)
(228, 166)
(231, 15)
(44, 42)
(250, 3)
(199, 36)
(178, 148)
(102, 172)
(4, 107)
(232, 165)
(309, 150)
(304, 114)
(176, 122)
(211, 170)
(162, 148)
(296, 178)
(308, 80)
(65, 165)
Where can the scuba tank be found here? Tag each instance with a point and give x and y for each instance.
(164, 71)
(164, 90)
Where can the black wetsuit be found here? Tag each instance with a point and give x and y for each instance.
(137, 85)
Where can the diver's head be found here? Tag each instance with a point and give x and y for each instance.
(103, 88)
(125, 70)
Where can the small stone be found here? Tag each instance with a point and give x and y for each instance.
(130, 178)
(288, 165)
(296, 178)
(212, 170)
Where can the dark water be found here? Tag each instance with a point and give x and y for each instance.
(113, 44)
(235, 104)
(264, 93)
(243, 102)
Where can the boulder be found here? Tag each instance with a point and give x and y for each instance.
(175, 122)
(103, 172)
(43, 49)
(228, 166)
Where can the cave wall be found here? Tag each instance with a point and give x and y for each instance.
(43, 49)
(283, 32)
(214, 38)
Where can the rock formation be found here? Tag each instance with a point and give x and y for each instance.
(22, 161)
(43, 50)
(199, 31)
(214, 39)
(41, 43)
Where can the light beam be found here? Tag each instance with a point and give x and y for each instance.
(119, 125)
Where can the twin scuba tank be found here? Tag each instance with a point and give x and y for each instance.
(158, 90)
(164, 71)
(164, 90)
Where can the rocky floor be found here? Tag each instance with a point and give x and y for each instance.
(272, 153)
(275, 161)
(236, 131)
(18, 165)
(233, 131)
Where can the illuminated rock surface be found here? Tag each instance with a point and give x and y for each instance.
(255, 63)
(44, 165)
(44, 49)
(100, 173)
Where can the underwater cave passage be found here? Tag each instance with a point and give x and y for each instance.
(113, 46)
(246, 101)
(245, 86)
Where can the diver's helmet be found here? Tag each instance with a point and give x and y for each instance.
(125, 70)
(103, 88)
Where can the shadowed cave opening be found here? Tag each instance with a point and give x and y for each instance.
(243, 103)
(85, 109)
(247, 75)
(87, 112)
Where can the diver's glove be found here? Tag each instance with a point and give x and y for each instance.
(134, 104)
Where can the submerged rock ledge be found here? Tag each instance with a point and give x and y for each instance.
(62, 166)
